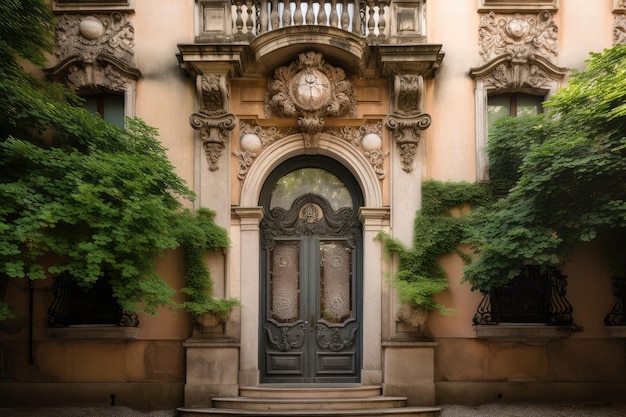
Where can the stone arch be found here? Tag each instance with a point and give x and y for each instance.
(329, 146)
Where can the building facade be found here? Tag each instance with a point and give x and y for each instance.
(309, 127)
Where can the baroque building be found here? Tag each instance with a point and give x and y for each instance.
(309, 126)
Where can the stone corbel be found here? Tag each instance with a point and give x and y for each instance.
(408, 120)
(214, 132)
(213, 119)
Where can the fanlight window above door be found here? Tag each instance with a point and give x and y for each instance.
(310, 180)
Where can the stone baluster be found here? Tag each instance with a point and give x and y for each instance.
(381, 18)
(310, 15)
(286, 14)
(334, 17)
(263, 17)
(322, 19)
(370, 19)
(345, 15)
(249, 21)
(357, 17)
(274, 18)
(238, 18)
(297, 15)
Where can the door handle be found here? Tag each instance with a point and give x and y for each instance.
(312, 323)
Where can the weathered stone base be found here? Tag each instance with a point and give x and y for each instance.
(212, 370)
(475, 393)
(135, 395)
(409, 369)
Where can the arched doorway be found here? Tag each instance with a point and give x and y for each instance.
(311, 273)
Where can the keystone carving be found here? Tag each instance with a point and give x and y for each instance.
(407, 121)
(95, 52)
(311, 89)
(518, 36)
(213, 120)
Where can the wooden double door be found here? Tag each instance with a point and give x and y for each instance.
(311, 302)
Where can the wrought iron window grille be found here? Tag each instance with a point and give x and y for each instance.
(616, 316)
(74, 305)
(536, 296)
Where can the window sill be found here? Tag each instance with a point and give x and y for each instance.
(616, 332)
(518, 5)
(521, 331)
(93, 332)
(92, 5)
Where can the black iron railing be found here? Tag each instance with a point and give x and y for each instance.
(616, 315)
(536, 296)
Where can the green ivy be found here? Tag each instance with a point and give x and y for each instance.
(437, 232)
(563, 176)
(199, 234)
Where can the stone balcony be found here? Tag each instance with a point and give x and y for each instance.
(367, 38)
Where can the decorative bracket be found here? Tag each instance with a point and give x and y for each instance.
(407, 121)
(213, 120)
(214, 134)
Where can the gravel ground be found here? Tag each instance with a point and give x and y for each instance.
(488, 410)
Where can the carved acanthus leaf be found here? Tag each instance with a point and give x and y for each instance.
(213, 90)
(519, 36)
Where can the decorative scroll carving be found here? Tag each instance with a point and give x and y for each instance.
(311, 89)
(213, 120)
(619, 29)
(213, 94)
(519, 36)
(214, 134)
(407, 121)
(285, 338)
(255, 138)
(95, 52)
(336, 339)
(290, 223)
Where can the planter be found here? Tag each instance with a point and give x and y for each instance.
(415, 317)
(209, 321)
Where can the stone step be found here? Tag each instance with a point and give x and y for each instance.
(302, 391)
(294, 403)
(381, 412)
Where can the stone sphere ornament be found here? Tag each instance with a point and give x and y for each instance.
(91, 28)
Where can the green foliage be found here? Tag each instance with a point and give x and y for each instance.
(436, 232)
(199, 233)
(79, 195)
(569, 184)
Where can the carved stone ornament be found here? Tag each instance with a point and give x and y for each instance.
(213, 120)
(407, 121)
(504, 74)
(519, 36)
(619, 29)
(95, 52)
(254, 139)
(311, 89)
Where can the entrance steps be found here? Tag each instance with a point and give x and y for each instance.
(310, 401)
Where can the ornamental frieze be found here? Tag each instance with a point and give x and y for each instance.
(254, 139)
(95, 52)
(310, 89)
(519, 36)
(93, 35)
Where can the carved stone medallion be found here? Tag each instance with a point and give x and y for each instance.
(311, 89)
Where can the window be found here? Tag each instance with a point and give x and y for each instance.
(74, 305)
(536, 296)
(501, 105)
(108, 106)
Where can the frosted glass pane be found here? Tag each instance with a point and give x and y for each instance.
(310, 180)
(498, 107)
(527, 105)
(335, 281)
(285, 282)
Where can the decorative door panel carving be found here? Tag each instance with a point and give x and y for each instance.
(310, 321)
